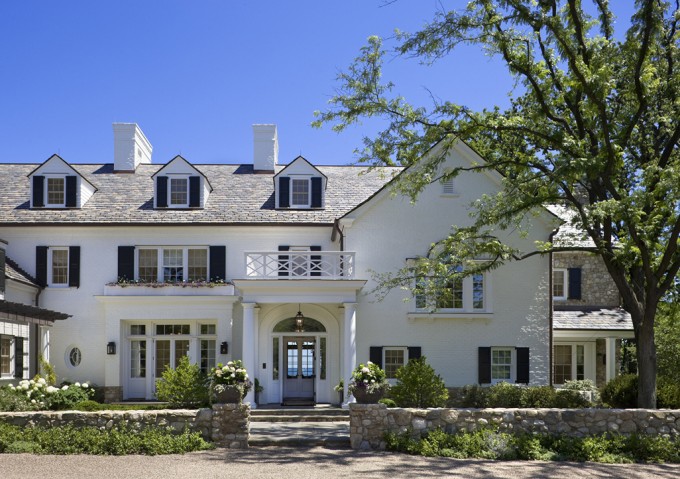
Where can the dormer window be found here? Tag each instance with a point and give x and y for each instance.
(55, 192)
(300, 185)
(179, 191)
(299, 195)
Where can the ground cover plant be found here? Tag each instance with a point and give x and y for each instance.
(90, 440)
(492, 444)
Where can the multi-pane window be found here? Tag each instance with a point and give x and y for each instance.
(179, 191)
(148, 265)
(55, 191)
(393, 359)
(559, 283)
(501, 364)
(477, 291)
(138, 358)
(165, 329)
(138, 329)
(465, 294)
(207, 329)
(207, 355)
(59, 266)
(173, 265)
(5, 356)
(198, 265)
(568, 362)
(300, 192)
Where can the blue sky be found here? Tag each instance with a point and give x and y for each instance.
(195, 75)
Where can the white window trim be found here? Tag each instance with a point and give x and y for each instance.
(159, 261)
(186, 180)
(589, 355)
(12, 353)
(394, 348)
(468, 297)
(566, 284)
(513, 365)
(50, 266)
(46, 194)
(308, 179)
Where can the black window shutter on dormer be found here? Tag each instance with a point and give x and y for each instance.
(375, 355)
(316, 192)
(522, 365)
(2, 270)
(162, 191)
(126, 263)
(218, 263)
(38, 191)
(574, 283)
(71, 182)
(194, 191)
(484, 365)
(284, 192)
(41, 265)
(74, 266)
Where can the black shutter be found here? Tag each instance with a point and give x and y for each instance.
(316, 192)
(574, 283)
(71, 182)
(284, 192)
(126, 263)
(2, 270)
(194, 191)
(316, 261)
(74, 266)
(522, 365)
(218, 263)
(162, 192)
(375, 355)
(414, 352)
(484, 363)
(41, 265)
(38, 191)
(284, 261)
(18, 358)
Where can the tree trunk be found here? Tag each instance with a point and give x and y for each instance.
(646, 357)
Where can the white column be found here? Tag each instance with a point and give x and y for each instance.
(350, 348)
(248, 347)
(610, 351)
(256, 353)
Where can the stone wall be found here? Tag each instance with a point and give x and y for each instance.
(227, 425)
(597, 286)
(370, 422)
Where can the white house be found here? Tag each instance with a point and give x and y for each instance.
(267, 263)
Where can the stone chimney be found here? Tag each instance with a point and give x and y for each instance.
(265, 148)
(130, 147)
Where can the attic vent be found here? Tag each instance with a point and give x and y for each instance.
(447, 187)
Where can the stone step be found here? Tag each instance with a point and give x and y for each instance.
(298, 418)
(300, 412)
(305, 434)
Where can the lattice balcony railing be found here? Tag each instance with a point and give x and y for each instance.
(300, 265)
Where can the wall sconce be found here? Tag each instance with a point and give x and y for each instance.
(224, 347)
(111, 348)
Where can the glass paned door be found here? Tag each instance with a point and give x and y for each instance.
(300, 358)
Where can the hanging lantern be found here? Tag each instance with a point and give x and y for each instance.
(299, 321)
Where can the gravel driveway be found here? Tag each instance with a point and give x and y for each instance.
(276, 462)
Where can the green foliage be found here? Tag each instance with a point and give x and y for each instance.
(370, 377)
(183, 387)
(387, 402)
(539, 396)
(621, 392)
(63, 399)
(570, 399)
(508, 395)
(11, 401)
(89, 405)
(505, 395)
(492, 444)
(668, 393)
(47, 372)
(419, 386)
(667, 337)
(90, 440)
(475, 396)
(592, 125)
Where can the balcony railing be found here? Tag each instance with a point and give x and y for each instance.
(300, 265)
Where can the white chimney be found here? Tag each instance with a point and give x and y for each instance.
(265, 147)
(130, 147)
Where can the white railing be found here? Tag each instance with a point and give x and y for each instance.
(300, 265)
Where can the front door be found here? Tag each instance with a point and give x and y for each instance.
(299, 358)
(168, 353)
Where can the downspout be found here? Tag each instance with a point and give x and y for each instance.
(337, 231)
(37, 335)
(550, 320)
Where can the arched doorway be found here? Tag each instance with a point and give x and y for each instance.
(302, 356)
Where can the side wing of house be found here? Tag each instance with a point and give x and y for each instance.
(495, 328)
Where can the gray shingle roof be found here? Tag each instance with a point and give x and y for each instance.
(239, 196)
(607, 319)
(15, 272)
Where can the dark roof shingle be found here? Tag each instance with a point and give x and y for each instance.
(605, 319)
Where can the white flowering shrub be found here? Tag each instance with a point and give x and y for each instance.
(368, 376)
(41, 395)
(231, 374)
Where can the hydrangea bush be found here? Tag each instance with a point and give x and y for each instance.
(369, 377)
(41, 395)
(231, 374)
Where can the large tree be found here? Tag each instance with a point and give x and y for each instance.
(593, 125)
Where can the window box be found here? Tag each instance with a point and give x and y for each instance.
(133, 288)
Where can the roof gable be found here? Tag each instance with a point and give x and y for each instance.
(181, 166)
(56, 165)
(300, 166)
